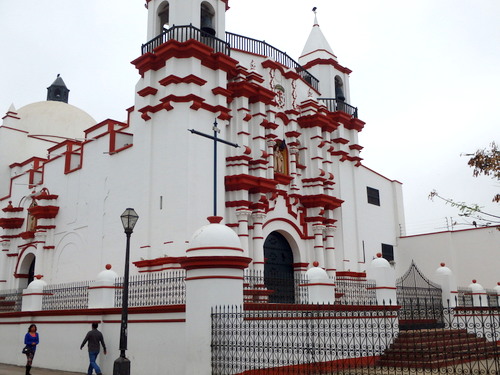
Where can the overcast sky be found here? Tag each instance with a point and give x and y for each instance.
(426, 76)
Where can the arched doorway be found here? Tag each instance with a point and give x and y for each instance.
(278, 269)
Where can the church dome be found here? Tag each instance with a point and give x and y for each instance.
(53, 118)
(214, 239)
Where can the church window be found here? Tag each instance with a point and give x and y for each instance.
(280, 157)
(207, 18)
(373, 196)
(388, 252)
(163, 14)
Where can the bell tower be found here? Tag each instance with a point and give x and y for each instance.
(207, 15)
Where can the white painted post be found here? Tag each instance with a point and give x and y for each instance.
(33, 294)
(321, 289)
(385, 280)
(214, 267)
(444, 277)
(102, 290)
(479, 296)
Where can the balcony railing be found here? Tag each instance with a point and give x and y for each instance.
(233, 41)
(262, 48)
(335, 105)
(183, 34)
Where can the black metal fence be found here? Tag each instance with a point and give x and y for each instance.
(294, 339)
(183, 34)
(11, 300)
(154, 289)
(68, 296)
(262, 48)
(274, 287)
(335, 105)
(352, 292)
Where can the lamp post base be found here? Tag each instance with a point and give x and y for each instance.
(121, 366)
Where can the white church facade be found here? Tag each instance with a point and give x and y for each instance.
(295, 184)
(230, 128)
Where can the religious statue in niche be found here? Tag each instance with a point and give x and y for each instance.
(280, 157)
(31, 220)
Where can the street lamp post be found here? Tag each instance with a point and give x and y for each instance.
(122, 364)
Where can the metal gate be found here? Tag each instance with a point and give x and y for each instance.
(420, 300)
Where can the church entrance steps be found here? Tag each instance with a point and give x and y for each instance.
(437, 348)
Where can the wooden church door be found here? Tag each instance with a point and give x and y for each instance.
(278, 269)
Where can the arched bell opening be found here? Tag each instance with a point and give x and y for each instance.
(207, 18)
(163, 16)
(278, 269)
(339, 91)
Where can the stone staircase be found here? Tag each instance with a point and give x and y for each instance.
(435, 348)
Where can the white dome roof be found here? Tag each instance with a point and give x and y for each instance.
(53, 118)
(107, 275)
(214, 239)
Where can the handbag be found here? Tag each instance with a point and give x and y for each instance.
(26, 350)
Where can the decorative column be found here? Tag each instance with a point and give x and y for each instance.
(331, 264)
(102, 290)
(445, 278)
(385, 280)
(270, 151)
(318, 244)
(33, 295)
(243, 234)
(479, 295)
(321, 289)
(293, 152)
(258, 241)
(214, 266)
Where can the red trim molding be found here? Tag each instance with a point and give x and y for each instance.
(204, 262)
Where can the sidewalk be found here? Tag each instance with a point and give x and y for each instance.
(21, 370)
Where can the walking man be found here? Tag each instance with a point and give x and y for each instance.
(94, 339)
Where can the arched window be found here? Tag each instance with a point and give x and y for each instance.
(163, 15)
(207, 18)
(339, 91)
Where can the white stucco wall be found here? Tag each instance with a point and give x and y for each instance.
(470, 254)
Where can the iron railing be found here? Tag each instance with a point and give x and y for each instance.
(233, 41)
(68, 296)
(262, 48)
(353, 292)
(334, 105)
(183, 34)
(11, 300)
(351, 340)
(275, 287)
(153, 289)
(307, 340)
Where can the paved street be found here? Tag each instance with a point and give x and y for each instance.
(15, 370)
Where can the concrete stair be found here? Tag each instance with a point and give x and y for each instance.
(435, 348)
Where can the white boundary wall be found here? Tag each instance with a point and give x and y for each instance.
(152, 336)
